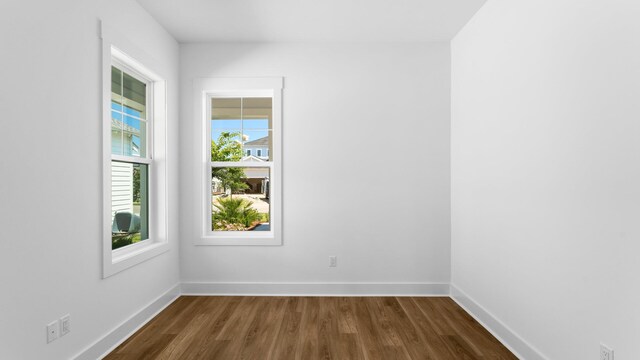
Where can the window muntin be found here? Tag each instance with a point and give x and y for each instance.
(130, 160)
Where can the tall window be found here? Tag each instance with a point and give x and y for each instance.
(242, 192)
(239, 188)
(130, 156)
(134, 103)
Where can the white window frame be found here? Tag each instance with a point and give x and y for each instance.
(259, 153)
(207, 88)
(119, 52)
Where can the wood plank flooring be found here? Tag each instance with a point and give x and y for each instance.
(307, 328)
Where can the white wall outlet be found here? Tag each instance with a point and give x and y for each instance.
(52, 331)
(605, 352)
(333, 261)
(65, 325)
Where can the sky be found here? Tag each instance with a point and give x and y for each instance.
(253, 128)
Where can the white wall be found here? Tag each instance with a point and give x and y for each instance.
(392, 99)
(50, 244)
(546, 172)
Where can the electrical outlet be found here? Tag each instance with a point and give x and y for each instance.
(605, 352)
(52, 331)
(333, 261)
(65, 325)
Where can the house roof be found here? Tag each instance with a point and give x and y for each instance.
(252, 158)
(263, 141)
(119, 125)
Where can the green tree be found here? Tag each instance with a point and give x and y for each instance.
(228, 148)
(136, 184)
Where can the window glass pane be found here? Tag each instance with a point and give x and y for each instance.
(129, 203)
(226, 146)
(258, 124)
(116, 107)
(134, 94)
(226, 109)
(134, 137)
(240, 199)
(226, 124)
(243, 120)
(116, 133)
(133, 112)
(116, 85)
(257, 140)
(226, 129)
(256, 108)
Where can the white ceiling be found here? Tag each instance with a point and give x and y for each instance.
(306, 20)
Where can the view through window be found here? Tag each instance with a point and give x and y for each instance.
(129, 159)
(241, 141)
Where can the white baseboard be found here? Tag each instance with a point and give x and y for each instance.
(315, 289)
(522, 349)
(117, 336)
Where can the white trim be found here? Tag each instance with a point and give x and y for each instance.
(509, 338)
(131, 159)
(315, 289)
(122, 332)
(129, 256)
(205, 89)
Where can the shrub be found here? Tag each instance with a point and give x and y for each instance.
(124, 239)
(234, 214)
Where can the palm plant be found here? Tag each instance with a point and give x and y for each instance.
(234, 214)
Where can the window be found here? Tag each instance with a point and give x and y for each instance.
(134, 113)
(130, 160)
(241, 195)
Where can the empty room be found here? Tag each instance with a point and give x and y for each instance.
(338, 179)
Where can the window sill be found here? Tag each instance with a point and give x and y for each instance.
(132, 255)
(268, 240)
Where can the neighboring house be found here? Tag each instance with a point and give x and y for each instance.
(121, 172)
(257, 178)
(258, 148)
(121, 187)
(123, 134)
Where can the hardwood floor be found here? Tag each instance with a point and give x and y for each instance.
(210, 327)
